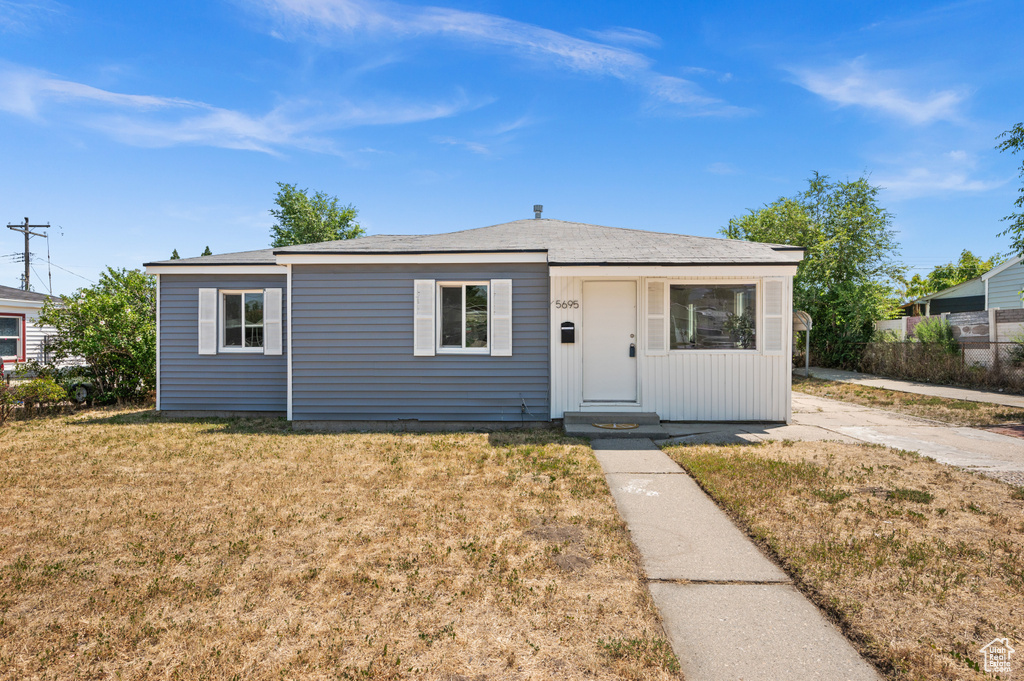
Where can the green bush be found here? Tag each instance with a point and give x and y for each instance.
(7, 401)
(886, 336)
(71, 378)
(937, 331)
(1017, 351)
(39, 393)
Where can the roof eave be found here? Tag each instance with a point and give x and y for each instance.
(444, 251)
(663, 263)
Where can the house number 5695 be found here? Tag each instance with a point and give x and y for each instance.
(566, 304)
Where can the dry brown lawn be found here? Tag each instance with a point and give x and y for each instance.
(136, 548)
(921, 563)
(960, 412)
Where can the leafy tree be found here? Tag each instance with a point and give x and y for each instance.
(302, 219)
(942, 277)
(175, 256)
(847, 278)
(112, 328)
(206, 252)
(1013, 141)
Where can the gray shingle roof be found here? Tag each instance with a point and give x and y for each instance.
(566, 243)
(261, 257)
(569, 243)
(9, 293)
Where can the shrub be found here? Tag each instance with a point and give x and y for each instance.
(7, 402)
(886, 336)
(39, 393)
(77, 381)
(937, 331)
(1016, 354)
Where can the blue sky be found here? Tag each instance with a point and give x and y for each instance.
(136, 128)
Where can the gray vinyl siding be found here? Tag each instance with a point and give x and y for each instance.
(1004, 288)
(225, 381)
(353, 355)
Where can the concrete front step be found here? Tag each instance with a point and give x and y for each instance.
(589, 430)
(643, 418)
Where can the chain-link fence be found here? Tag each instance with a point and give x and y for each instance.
(977, 364)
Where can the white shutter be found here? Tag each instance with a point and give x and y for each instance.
(774, 304)
(656, 331)
(207, 321)
(501, 318)
(423, 318)
(272, 344)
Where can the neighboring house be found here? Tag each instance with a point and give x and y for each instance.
(518, 322)
(998, 289)
(20, 339)
(968, 296)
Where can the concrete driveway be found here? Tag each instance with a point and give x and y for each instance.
(818, 418)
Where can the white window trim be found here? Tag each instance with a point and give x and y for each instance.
(222, 323)
(20, 338)
(758, 316)
(444, 350)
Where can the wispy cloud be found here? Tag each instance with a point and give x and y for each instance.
(489, 141)
(854, 84)
(722, 168)
(475, 147)
(942, 175)
(154, 121)
(22, 16)
(24, 91)
(721, 77)
(621, 35)
(341, 21)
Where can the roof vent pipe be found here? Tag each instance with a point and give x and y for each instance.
(537, 210)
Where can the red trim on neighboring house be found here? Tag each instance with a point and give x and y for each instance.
(24, 329)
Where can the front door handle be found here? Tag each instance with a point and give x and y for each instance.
(632, 349)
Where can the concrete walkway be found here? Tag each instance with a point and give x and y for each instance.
(729, 612)
(915, 387)
(818, 418)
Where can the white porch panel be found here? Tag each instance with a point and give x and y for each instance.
(681, 385)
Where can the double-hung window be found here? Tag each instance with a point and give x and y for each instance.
(242, 321)
(465, 323)
(713, 317)
(11, 337)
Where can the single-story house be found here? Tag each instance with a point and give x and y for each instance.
(968, 296)
(998, 289)
(515, 323)
(20, 339)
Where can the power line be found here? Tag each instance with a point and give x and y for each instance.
(38, 277)
(74, 273)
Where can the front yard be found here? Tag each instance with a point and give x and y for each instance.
(132, 547)
(922, 564)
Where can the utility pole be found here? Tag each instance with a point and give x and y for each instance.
(26, 229)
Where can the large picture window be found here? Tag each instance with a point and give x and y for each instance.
(464, 317)
(242, 314)
(10, 337)
(714, 317)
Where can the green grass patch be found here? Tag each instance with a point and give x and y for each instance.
(642, 652)
(918, 496)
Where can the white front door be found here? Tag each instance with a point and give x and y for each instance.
(609, 331)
